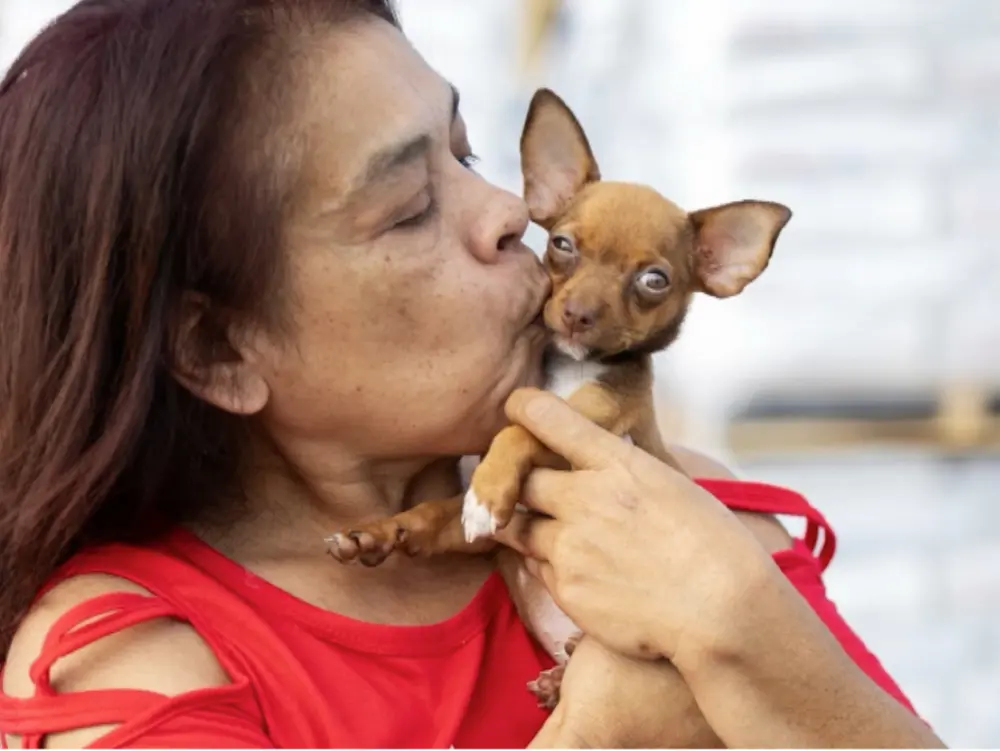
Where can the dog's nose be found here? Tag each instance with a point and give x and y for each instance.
(578, 317)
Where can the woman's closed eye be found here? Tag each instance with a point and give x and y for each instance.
(417, 218)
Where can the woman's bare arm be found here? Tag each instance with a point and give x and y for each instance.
(781, 679)
(761, 692)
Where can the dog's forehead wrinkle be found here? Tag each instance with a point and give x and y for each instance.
(628, 219)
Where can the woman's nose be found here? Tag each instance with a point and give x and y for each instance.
(499, 226)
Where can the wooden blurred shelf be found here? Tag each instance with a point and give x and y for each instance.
(537, 20)
(959, 418)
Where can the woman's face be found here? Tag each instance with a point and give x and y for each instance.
(412, 299)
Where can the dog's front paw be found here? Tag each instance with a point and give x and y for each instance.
(547, 685)
(370, 545)
(489, 505)
(477, 520)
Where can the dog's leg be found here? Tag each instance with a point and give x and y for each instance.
(497, 481)
(645, 435)
(495, 488)
(547, 685)
(429, 528)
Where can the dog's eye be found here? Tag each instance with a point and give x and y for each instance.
(653, 282)
(563, 245)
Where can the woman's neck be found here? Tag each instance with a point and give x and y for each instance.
(292, 502)
(279, 535)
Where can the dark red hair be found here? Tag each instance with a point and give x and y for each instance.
(139, 162)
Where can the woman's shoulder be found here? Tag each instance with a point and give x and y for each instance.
(142, 621)
(124, 657)
(94, 631)
(764, 525)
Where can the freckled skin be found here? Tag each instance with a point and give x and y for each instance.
(442, 303)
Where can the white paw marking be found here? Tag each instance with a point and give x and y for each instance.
(477, 521)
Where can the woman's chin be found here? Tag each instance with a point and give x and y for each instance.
(520, 367)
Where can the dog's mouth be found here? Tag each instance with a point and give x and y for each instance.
(570, 347)
(566, 342)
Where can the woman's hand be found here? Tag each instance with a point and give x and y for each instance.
(609, 700)
(638, 555)
(651, 565)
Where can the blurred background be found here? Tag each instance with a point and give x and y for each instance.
(863, 368)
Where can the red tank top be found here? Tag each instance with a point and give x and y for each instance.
(307, 678)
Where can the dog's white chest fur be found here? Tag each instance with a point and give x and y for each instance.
(566, 376)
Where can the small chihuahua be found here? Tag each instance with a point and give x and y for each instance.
(624, 263)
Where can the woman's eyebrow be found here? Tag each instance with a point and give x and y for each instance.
(391, 159)
(383, 165)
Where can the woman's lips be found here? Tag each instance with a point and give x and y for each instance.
(540, 289)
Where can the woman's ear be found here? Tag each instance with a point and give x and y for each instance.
(215, 361)
(733, 243)
(556, 160)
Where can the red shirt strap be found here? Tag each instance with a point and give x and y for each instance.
(763, 498)
(50, 712)
(251, 652)
(91, 621)
(34, 718)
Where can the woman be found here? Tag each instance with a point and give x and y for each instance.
(251, 292)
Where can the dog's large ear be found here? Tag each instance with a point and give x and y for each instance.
(556, 160)
(733, 243)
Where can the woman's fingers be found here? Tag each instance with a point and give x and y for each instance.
(547, 494)
(571, 435)
(530, 534)
(554, 492)
(515, 533)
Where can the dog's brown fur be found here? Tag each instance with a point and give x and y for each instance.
(624, 263)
